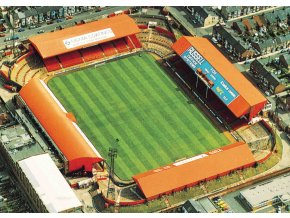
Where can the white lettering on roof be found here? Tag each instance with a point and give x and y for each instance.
(190, 160)
(88, 38)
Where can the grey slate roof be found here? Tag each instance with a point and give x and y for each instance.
(231, 9)
(192, 206)
(200, 11)
(272, 78)
(228, 36)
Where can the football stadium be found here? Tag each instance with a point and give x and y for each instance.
(133, 101)
(171, 118)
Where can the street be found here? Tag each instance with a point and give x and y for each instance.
(66, 23)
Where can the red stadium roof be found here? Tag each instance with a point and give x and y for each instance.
(249, 96)
(85, 35)
(189, 172)
(59, 125)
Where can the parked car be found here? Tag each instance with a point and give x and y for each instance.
(59, 20)
(2, 35)
(40, 31)
(15, 37)
(49, 22)
(7, 39)
(21, 30)
(214, 40)
(32, 27)
(69, 17)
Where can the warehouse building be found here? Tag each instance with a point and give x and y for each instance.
(268, 193)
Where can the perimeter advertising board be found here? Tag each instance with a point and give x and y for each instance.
(221, 87)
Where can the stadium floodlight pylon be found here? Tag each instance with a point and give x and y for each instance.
(112, 155)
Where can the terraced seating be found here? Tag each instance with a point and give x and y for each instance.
(108, 49)
(92, 53)
(129, 43)
(135, 41)
(120, 45)
(20, 78)
(70, 59)
(52, 64)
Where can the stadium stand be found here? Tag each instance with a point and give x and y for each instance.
(92, 53)
(229, 85)
(108, 49)
(86, 42)
(51, 64)
(190, 172)
(70, 59)
(76, 149)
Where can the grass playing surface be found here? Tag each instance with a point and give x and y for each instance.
(133, 100)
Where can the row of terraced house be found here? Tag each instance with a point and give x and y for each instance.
(255, 36)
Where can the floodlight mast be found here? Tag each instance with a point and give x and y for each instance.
(112, 154)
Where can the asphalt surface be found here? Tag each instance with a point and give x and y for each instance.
(182, 16)
(66, 23)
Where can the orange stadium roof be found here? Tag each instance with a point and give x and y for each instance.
(58, 124)
(85, 35)
(187, 172)
(249, 96)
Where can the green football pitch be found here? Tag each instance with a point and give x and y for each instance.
(131, 104)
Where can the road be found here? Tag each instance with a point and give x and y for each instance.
(182, 18)
(66, 23)
(255, 13)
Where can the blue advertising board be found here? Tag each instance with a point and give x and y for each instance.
(221, 87)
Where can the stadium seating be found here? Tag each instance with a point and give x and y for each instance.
(135, 41)
(70, 59)
(165, 32)
(51, 64)
(108, 49)
(120, 45)
(129, 43)
(92, 53)
(227, 116)
(216, 104)
(239, 123)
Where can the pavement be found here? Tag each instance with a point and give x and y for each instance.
(276, 53)
(66, 23)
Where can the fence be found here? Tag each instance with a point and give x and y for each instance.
(124, 203)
